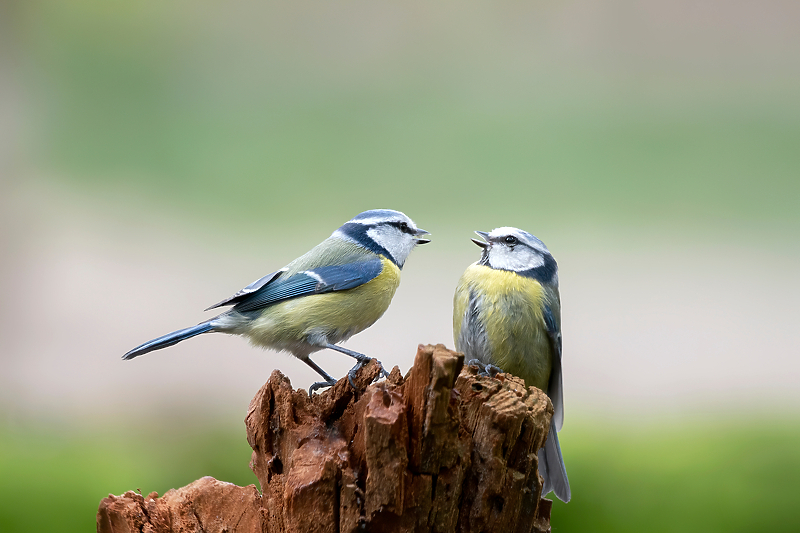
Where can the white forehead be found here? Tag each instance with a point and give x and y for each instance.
(379, 216)
(522, 236)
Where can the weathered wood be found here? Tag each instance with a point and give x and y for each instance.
(205, 505)
(440, 450)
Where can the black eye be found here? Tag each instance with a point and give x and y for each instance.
(511, 240)
(403, 227)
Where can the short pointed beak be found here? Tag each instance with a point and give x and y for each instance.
(421, 231)
(485, 236)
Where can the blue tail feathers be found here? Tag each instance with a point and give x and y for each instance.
(169, 339)
(552, 469)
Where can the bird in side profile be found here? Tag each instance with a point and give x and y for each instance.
(507, 314)
(337, 289)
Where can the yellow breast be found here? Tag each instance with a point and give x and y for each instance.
(336, 315)
(507, 326)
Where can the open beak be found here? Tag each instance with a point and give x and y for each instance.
(485, 236)
(421, 231)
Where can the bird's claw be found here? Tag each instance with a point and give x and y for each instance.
(485, 370)
(320, 385)
(359, 365)
(492, 370)
(351, 375)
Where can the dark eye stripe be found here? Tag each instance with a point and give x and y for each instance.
(402, 226)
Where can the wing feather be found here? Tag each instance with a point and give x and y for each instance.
(247, 291)
(314, 281)
(555, 386)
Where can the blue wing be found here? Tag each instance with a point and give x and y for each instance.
(315, 281)
(555, 387)
(247, 291)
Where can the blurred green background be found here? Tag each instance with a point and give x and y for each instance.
(158, 156)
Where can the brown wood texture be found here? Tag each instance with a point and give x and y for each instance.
(441, 450)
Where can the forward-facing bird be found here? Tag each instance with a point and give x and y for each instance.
(507, 314)
(337, 289)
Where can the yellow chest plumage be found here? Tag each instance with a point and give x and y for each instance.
(298, 324)
(498, 318)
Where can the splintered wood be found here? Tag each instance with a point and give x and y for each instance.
(440, 450)
(204, 505)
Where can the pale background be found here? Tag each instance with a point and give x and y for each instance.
(155, 157)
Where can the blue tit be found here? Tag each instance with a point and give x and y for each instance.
(507, 313)
(337, 289)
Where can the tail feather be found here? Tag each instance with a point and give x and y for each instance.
(169, 339)
(551, 467)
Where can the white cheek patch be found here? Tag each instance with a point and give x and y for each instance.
(517, 259)
(397, 243)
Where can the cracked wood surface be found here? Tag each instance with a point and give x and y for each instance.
(441, 450)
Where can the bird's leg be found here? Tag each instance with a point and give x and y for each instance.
(485, 370)
(362, 360)
(329, 381)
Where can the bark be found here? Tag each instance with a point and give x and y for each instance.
(440, 450)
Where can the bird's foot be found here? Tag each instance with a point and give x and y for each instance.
(362, 361)
(320, 385)
(351, 375)
(485, 370)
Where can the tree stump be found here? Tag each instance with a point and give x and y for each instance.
(440, 450)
